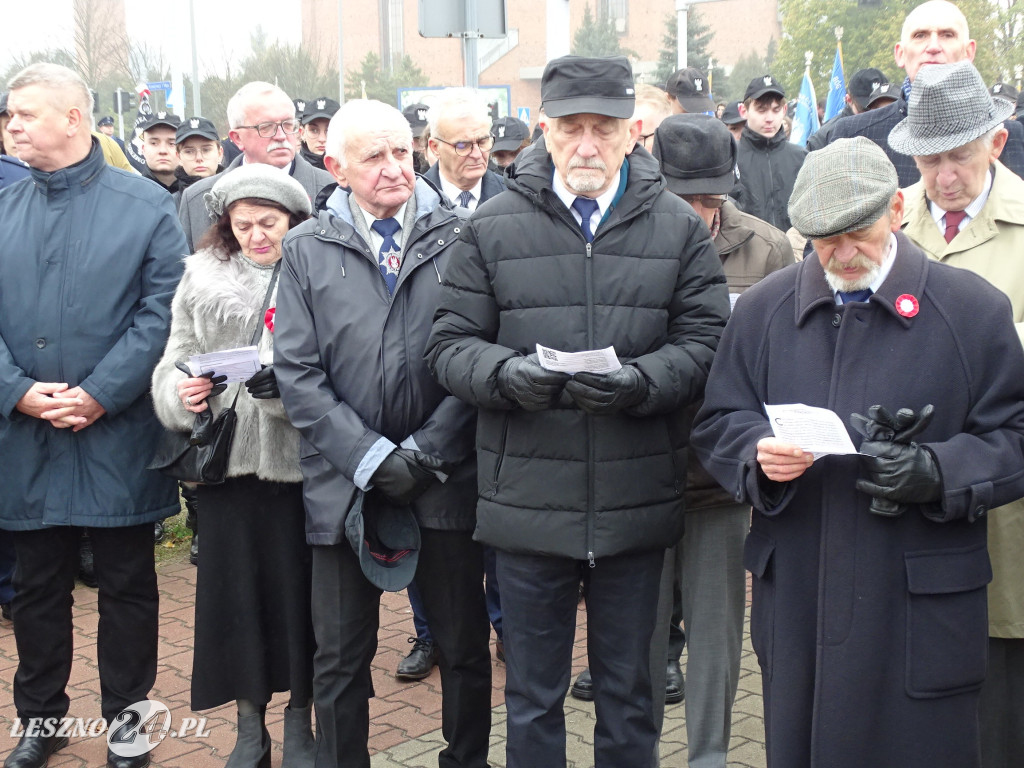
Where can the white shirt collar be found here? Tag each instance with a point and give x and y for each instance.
(452, 192)
(377, 239)
(568, 197)
(972, 210)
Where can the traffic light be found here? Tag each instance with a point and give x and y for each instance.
(95, 102)
(127, 102)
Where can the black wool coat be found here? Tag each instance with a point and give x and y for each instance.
(871, 632)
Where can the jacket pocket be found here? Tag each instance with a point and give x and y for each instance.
(947, 620)
(492, 491)
(758, 558)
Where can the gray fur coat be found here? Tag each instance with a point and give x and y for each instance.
(215, 308)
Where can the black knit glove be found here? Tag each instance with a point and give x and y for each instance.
(609, 392)
(530, 386)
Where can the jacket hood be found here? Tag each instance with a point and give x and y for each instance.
(533, 172)
(334, 199)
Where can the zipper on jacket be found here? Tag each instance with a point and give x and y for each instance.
(589, 268)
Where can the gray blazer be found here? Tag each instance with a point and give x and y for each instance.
(194, 217)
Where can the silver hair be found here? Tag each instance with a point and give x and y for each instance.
(248, 94)
(56, 78)
(989, 139)
(457, 102)
(362, 115)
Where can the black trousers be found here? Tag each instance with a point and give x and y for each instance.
(346, 617)
(129, 609)
(538, 603)
(1002, 705)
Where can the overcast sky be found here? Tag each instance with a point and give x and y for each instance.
(222, 31)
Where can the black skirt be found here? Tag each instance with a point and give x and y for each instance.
(253, 631)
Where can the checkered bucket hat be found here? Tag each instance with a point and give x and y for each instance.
(950, 106)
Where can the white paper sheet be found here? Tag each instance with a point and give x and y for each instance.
(816, 430)
(591, 361)
(237, 364)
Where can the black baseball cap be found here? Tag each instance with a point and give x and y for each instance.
(161, 118)
(573, 85)
(690, 88)
(416, 115)
(762, 85)
(886, 91)
(697, 154)
(862, 83)
(509, 134)
(318, 108)
(196, 126)
(731, 115)
(1004, 91)
(300, 106)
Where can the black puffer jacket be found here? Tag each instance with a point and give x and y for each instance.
(562, 482)
(768, 169)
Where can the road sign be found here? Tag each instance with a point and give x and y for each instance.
(447, 18)
(524, 114)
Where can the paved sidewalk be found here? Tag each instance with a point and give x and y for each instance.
(405, 718)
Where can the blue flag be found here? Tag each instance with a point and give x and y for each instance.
(836, 87)
(805, 118)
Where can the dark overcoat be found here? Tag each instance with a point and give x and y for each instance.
(84, 300)
(871, 631)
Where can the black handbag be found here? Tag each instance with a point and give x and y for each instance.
(201, 456)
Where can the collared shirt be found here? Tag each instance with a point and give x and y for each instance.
(568, 197)
(971, 210)
(883, 273)
(376, 241)
(452, 192)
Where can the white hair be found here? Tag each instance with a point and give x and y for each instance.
(57, 78)
(361, 115)
(455, 103)
(245, 96)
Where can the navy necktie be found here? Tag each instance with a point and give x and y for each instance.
(389, 257)
(852, 296)
(465, 199)
(585, 207)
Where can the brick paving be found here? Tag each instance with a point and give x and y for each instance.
(405, 717)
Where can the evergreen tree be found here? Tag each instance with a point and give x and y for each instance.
(380, 84)
(596, 36)
(698, 51)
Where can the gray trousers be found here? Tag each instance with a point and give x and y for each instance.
(709, 562)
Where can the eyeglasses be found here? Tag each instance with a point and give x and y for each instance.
(708, 201)
(465, 148)
(269, 130)
(193, 152)
(645, 137)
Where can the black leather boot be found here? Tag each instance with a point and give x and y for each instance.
(252, 747)
(34, 751)
(188, 493)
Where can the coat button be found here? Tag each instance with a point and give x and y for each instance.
(40, 343)
(419, 255)
(440, 242)
(979, 511)
(456, 230)
(836, 319)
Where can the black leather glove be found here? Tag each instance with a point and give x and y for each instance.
(609, 392)
(218, 381)
(881, 427)
(262, 385)
(530, 386)
(405, 474)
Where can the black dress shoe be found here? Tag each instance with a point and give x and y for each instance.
(420, 662)
(34, 751)
(675, 688)
(583, 688)
(116, 761)
(5, 611)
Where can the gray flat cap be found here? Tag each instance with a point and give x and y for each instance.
(949, 107)
(261, 181)
(844, 187)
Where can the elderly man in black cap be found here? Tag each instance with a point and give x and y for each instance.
(581, 468)
(968, 211)
(868, 570)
